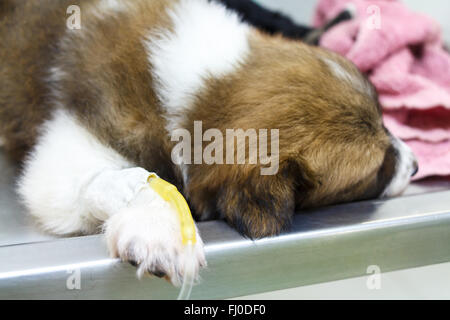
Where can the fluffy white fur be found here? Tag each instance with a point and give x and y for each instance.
(66, 158)
(341, 73)
(103, 8)
(403, 171)
(114, 5)
(207, 40)
(73, 184)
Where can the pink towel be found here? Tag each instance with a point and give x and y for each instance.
(402, 53)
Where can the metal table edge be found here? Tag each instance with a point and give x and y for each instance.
(323, 245)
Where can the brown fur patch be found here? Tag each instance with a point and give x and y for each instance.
(29, 31)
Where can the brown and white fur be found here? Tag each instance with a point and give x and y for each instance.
(91, 112)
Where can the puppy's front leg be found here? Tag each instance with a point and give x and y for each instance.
(72, 183)
(146, 232)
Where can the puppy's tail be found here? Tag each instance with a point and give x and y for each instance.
(345, 15)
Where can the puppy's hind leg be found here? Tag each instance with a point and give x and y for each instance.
(74, 184)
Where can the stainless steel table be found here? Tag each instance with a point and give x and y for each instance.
(332, 243)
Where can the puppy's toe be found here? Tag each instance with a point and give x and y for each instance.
(158, 273)
(148, 236)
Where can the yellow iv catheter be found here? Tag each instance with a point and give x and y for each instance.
(170, 194)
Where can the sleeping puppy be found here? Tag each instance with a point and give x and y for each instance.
(94, 110)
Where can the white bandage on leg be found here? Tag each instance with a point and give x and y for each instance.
(113, 190)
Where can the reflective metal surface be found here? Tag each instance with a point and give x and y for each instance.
(15, 226)
(328, 244)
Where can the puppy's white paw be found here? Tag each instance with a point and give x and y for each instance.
(147, 234)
